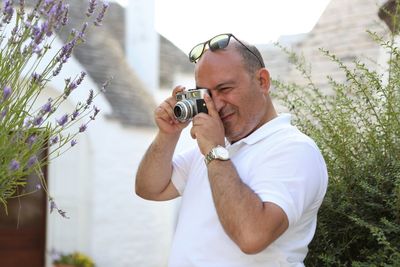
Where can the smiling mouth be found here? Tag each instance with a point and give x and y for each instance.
(226, 117)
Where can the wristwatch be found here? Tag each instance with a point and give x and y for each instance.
(218, 152)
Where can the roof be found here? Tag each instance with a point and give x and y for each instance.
(385, 13)
(172, 60)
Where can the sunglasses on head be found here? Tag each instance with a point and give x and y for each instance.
(220, 41)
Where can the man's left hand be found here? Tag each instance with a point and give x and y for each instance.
(208, 129)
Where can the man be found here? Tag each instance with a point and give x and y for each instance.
(252, 187)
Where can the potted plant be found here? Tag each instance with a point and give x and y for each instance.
(75, 259)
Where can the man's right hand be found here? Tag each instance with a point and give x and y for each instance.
(153, 178)
(164, 115)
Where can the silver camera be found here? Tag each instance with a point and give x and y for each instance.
(190, 103)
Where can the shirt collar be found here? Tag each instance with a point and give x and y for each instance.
(266, 130)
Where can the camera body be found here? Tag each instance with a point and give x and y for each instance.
(190, 103)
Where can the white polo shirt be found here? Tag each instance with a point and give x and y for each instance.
(281, 165)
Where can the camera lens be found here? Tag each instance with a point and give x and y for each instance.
(183, 110)
(177, 111)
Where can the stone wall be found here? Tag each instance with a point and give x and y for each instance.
(341, 29)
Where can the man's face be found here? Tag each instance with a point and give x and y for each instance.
(238, 95)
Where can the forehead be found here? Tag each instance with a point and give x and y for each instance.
(222, 59)
(219, 67)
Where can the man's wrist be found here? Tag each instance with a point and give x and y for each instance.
(216, 153)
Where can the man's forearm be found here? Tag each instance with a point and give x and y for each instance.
(155, 170)
(250, 223)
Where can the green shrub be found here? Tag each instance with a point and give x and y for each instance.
(76, 259)
(357, 127)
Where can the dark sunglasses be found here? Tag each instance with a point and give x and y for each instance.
(220, 41)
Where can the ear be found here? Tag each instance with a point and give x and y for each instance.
(264, 80)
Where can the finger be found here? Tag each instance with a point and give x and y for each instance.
(195, 120)
(177, 89)
(168, 109)
(212, 111)
(192, 132)
(200, 119)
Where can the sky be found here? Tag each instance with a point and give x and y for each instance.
(189, 22)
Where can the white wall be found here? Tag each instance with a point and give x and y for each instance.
(126, 230)
(142, 42)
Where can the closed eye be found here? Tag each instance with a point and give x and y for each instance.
(224, 89)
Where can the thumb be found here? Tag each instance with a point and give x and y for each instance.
(212, 111)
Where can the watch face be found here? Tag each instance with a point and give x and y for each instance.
(221, 153)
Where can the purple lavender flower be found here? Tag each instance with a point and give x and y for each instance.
(90, 98)
(73, 142)
(81, 77)
(48, 2)
(57, 70)
(100, 17)
(46, 108)
(39, 33)
(74, 115)
(56, 16)
(8, 11)
(104, 85)
(22, 7)
(64, 20)
(72, 86)
(36, 78)
(54, 140)
(52, 205)
(46, 29)
(55, 255)
(63, 213)
(38, 120)
(27, 122)
(96, 111)
(37, 50)
(82, 128)
(52, 11)
(83, 30)
(91, 8)
(31, 139)
(14, 165)
(63, 120)
(6, 92)
(32, 160)
(36, 30)
(66, 51)
(3, 113)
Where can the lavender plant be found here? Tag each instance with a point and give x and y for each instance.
(28, 128)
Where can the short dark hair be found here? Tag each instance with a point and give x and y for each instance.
(251, 63)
